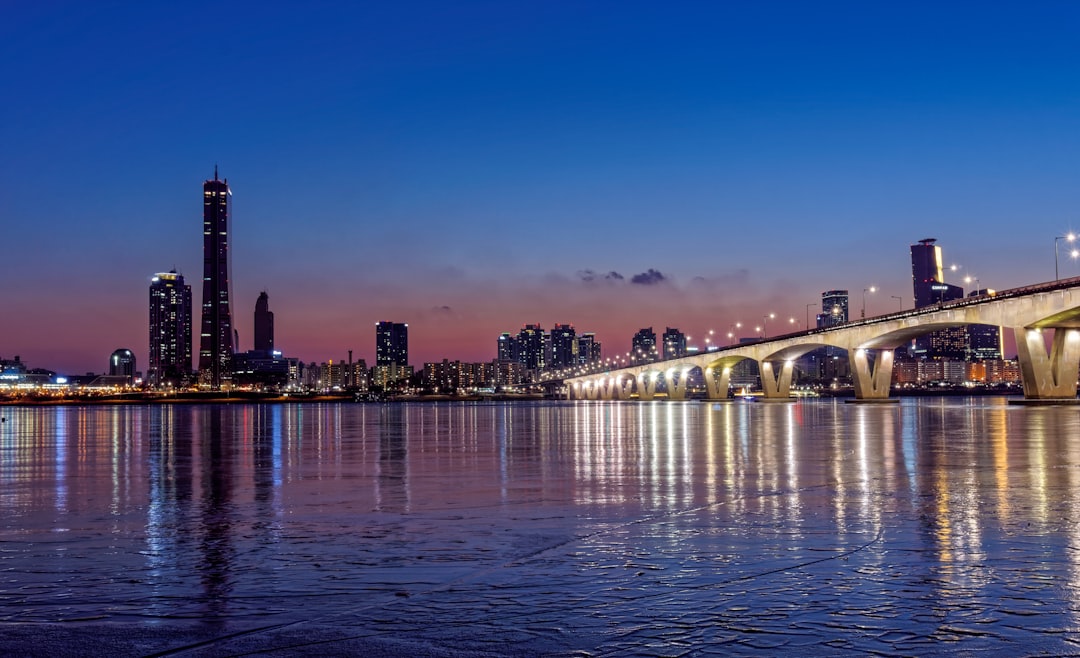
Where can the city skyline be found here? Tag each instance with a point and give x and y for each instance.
(474, 168)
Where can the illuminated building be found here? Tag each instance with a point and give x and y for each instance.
(122, 364)
(834, 308)
(216, 338)
(674, 343)
(507, 347)
(391, 344)
(588, 349)
(264, 324)
(531, 353)
(564, 346)
(643, 346)
(170, 330)
(928, 284)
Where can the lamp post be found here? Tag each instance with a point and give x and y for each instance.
(731, 331)
(899, 299)
(967, 280)
(765, 324)
(864, 291)
(808, 314)
(1071, 237)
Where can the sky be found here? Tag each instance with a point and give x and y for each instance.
(469, 167)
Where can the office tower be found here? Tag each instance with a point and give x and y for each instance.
(928, 280)
(391, 344)
(122, 364)
(564, 346)
(643, 346)
(216, 338)
(834, 308)
(507, 347)
(928, 277)
(170, 330)
(674, 343)
(588, 349)
(264, 324)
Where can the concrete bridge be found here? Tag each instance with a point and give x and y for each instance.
(1047, 374)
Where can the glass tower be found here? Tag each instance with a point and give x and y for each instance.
(170, 330)
(216, 338)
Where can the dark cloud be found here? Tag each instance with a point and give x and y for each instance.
(649, 278)
(443, 309)
(591, 275)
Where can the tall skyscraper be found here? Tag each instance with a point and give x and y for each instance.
(588, 349)
(531, 351)
(391, 344)
(564, 346)
(264, 324)
(834, 308)
(216, 338)
(928, 280)
(170, 330)
(674, 343)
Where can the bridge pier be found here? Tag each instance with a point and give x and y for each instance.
(1050, 376)
(776, 386)
(717, 387)
(676, 390)
(871, 384)
(646, 386)
(624, 388)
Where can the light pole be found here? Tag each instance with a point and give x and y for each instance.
(864, 291)
(1071, 237)
(899, 299)
(731, 331)
(808, 314)
(765, 324)
(967, 280)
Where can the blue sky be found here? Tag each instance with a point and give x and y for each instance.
(459, 166)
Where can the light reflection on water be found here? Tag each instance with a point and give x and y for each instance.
(938, 520)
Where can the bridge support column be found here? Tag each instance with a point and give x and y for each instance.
(776, 386)
(717, 385)
(872, 384)
(609, 390)
(676, 390)
(592, 389)
(624, 388)
(646, 386)
(1053, 376)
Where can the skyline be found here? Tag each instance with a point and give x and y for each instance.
(471, 169)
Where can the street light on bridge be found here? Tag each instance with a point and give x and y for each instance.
(1071, 237)
(765, 324)
(808, 314)
(864, 291)
(899, 299)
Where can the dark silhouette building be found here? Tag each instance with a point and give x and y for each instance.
(643, 346)
(216, 339)
(391, 344)
(170, 330)
(928, 281)
(564, 346)
(674, 343)
(122, 364)
(531, 351)
(264, 324)
(588, 349)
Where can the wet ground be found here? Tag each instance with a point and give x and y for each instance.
(581, 529)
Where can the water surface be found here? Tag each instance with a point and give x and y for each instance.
(578, 528)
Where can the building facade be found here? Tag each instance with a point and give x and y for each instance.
(391, 344)
(264, 324)
(674, 343)
(169, 361)
(216, 338)
(564, 346)
(643, 346)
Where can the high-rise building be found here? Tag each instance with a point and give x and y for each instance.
(588, 349)
(170, 330)
(216, 339)
(264, 324)
(564, 346)
(531, 350)
(122, 364)
(507, 347)
(928, 280)
(674, 343)
(391, 344)
(643, 346)
(927, 275)
(834, 308)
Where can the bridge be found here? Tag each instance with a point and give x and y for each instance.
(870, 343)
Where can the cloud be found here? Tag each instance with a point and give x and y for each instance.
(649, 278)
(443, 309)
(589, 276)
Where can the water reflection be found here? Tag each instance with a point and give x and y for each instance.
(944, 511)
